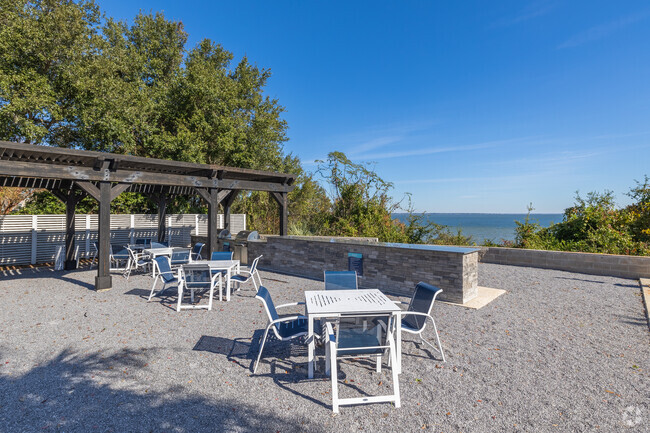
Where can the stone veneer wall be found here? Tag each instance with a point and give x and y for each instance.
(390, 269)
(586, 263)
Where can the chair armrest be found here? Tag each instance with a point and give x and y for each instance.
(415, 313)
(289, 305)
(215, 276)
(287, 319)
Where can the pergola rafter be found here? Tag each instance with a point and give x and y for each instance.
(71, 174)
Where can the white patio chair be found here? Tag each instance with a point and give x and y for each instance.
(361, 336)
(414, 319)
(119, 256)
(197, 277)
(164, 273)
(136, 261)
(284, 328)
(180, 257)
(246, 276)
(340, 280)
(196, 251)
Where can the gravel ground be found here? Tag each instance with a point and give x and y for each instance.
(559, 352)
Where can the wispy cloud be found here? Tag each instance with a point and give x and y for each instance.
(531, 11)
(603, 30)
(437, 149)
(359, 143)
(381, 136)
(513, 179)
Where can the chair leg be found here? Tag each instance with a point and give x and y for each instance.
(439, 348)
(335, 382)
(378, 364)
(211, 294)
(180, 297)
(438, 339)
(393, 356)
(153, 287)
(259, 355)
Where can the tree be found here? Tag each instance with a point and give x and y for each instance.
(46, 47)
(11, 198)
(70, 78)
(362, 206)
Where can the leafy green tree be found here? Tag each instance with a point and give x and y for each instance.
(46, 50)
(70, 78)
(362, 206)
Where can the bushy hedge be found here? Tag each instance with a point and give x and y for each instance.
(594, 224)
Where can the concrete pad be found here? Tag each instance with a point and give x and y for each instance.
(484, 297)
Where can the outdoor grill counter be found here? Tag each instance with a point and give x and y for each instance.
(240, 245)
(224, 241)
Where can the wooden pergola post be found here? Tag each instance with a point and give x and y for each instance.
(281, 199)
(67, 193)
(227, 203)
(104, 194)
(161, 202)
(103, 280)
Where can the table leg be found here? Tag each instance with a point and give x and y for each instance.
(228, 275)
(310, 347)
(398, 322)
(220, 285)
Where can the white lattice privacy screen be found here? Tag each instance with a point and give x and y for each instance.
(32, 239)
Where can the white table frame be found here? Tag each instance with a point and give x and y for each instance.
(334, 303)
(223, 265)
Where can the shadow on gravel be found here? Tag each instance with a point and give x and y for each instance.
(76, 282)
(48, 272)
(239, 351)
(285, 373)
(142, 293)
(630, 320)
(597, 282)
(580, 279)
(91, 392)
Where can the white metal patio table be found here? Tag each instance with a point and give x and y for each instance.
(334, 303)
(230, 266)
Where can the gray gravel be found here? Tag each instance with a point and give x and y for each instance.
(559, 352)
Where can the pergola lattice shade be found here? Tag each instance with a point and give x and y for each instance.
(71, 173)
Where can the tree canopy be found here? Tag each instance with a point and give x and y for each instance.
(71, 77)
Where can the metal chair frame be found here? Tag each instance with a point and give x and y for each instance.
(275, 320)
(332, 354)
(427, 314)
(196, 251)
(135, 262)
(345, 275)
(192, 286)
(167, 276)
(241, 278)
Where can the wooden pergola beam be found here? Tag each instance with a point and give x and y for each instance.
(27, 169)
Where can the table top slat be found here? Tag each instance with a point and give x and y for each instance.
(348, 301)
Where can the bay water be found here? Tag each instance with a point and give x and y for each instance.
(480, 226)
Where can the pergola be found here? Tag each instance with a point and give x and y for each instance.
(71, 174)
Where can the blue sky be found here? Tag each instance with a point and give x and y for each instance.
(470, 106)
